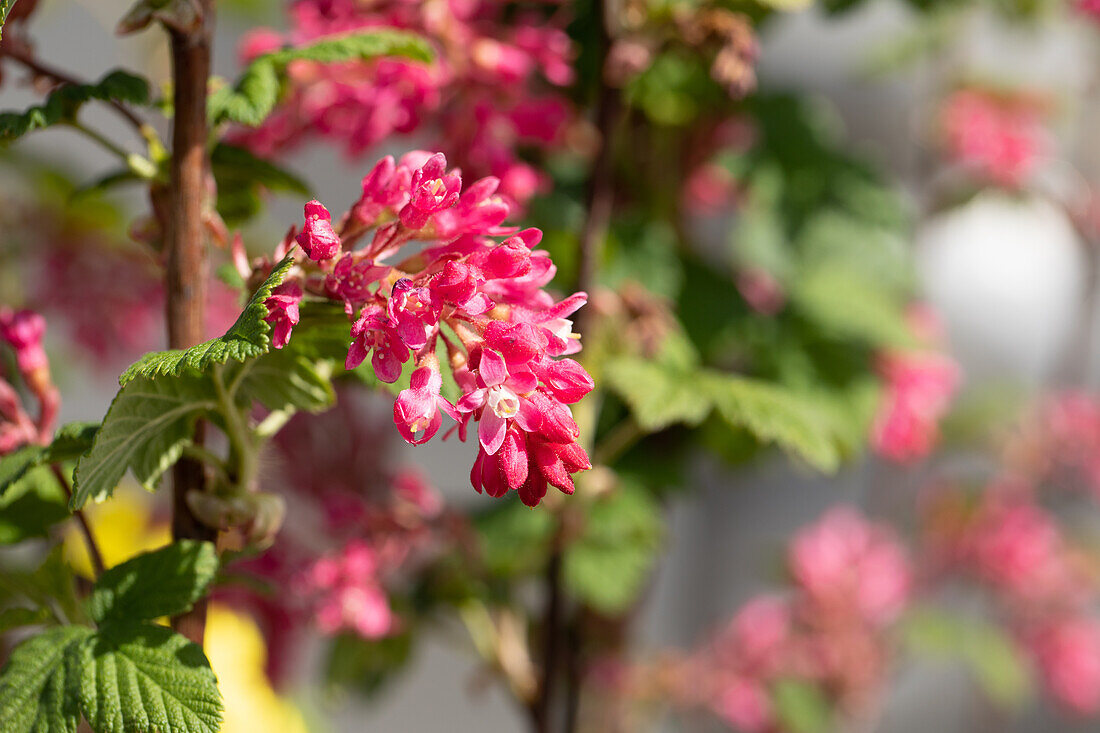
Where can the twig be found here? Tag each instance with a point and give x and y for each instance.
(551, 630)
(82, 520)
(185, 275)
(40, 69)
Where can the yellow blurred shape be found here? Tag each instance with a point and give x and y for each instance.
(236, 651)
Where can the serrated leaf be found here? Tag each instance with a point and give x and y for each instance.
(283, 380)
(659, 395)
(608, 565)
(5, 8)
(246, 338)
(65, 101)
(162, 582)
(773, 414)
(39, 685)
(145, 430)
(140, 677)
(255, 95)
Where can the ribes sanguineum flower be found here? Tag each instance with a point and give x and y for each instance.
(374, 331)
(282, 312)
(23, 331)
(417, 409)
(482, 298)
(318, 239)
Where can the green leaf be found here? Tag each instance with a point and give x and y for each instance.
(285, 380)
(997, 663)
(242, 177)
(255, 95)
(608, 565)
(31, 506)
(801, 707)
(659, 395)
(514, 540)
(49, 586)
(5, 8)
(366, 665)
(145, 430)
(845, 304)
(70, 442)
(15, 465)
(40, 683)
(63, 103)
(246, 338)
(163, 582)
(18, 616)
(773, 414)
(140, 677)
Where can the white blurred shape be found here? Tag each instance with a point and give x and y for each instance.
(1007, 275)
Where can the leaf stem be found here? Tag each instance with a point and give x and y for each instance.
(38, 68)
(82, 520)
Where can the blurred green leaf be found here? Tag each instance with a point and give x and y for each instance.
(65, 101)
(608, 564)
(514, 540)
(366, 665)
(801, 707)
(998, 664)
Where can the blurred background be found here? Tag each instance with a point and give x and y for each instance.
(886, 206)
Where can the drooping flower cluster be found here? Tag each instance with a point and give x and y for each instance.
(851, 579)
(22, 332)
(491, 89)
(507, 341)
(997, 137)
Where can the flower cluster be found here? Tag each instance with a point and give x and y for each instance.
(350, 594)
(490, 91)
(22, 332)
(920, 384)
(507, 341)
(851, 578)
(1043, 589)
(997, 137)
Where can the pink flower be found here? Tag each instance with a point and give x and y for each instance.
(500, 397)
(414, 311)
(349, 592)
(282, 312)
(845, 562)
(1068, 652)
(458, 285)
(23, 332)
(745, 705)
(919, 389)
(374, 331)
(318, 239)
(417, 408)
(351, 279)
(1000, 138)
(758, 636)
(433, 190)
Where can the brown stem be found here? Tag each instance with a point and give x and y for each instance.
(38, 68)
(551, 631)
(601, 193)
(185, 255)
(85, 528)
